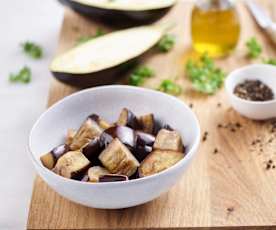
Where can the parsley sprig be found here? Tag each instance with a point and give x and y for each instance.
(23, 76)
(205, 76)
(254, 48)
(166, 43)
(170, 87)
(139, 75)
(270, 61)
(32, 49)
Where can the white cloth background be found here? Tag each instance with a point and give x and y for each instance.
(20, 105)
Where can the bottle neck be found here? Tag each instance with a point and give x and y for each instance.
(214, 4)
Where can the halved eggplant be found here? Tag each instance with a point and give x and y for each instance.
(104, 59)
(122, 13)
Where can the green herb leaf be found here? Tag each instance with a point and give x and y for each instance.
(31, 49)
(270, 61)
(23, 76)
(139, 75)
(205, 76)
(170, 87)
(254, 48)
(84, 39)
(166, 43)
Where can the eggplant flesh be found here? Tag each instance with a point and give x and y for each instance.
(120, 16)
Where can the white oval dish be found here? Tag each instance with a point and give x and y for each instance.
(107, 101)
(255, 110)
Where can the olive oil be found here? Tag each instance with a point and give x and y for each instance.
(215, 27)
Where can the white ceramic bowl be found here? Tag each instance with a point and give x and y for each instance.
(107, 101)
(251, 109)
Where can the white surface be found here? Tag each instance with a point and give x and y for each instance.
(21, 20)
(253, 109)
(70, 112)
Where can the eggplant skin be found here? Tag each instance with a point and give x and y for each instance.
(103, 77)
(118, 18)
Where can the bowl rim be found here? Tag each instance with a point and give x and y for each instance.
(244, 68)
(186, 158)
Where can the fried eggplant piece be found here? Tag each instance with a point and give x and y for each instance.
(71, 164)
(168, 140)
(118, 159)
(100, 121)
(70, 136)
(143, 138)
(86, 132)
(85, 178)
(143, 145)
(49, 159)
(158, 161)
(112, 178)
(125, 134)
(141, 152)
(127, 118)
(92, 150)
(95, 172)
(147, 123)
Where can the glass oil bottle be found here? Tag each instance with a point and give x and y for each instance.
(215, 27)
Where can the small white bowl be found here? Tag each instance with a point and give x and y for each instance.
(255, 110)
(107, 101)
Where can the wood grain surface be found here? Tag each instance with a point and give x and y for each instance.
(230, 188)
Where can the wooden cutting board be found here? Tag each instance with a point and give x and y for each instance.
(232, 187)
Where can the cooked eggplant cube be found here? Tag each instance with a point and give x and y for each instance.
(147, 123)
(100, 121)
(95, 172)
(58, 151)
(141, 152)
(70, 136)
(92, 150)
(71, 163)
(118, 159)
(143, 145)
(158, 161)
(143, 138)
(48, 160)
(86, 132)
(125, 134)
(127, 118)
(85, 178)
(112, 178)
(168, 140)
